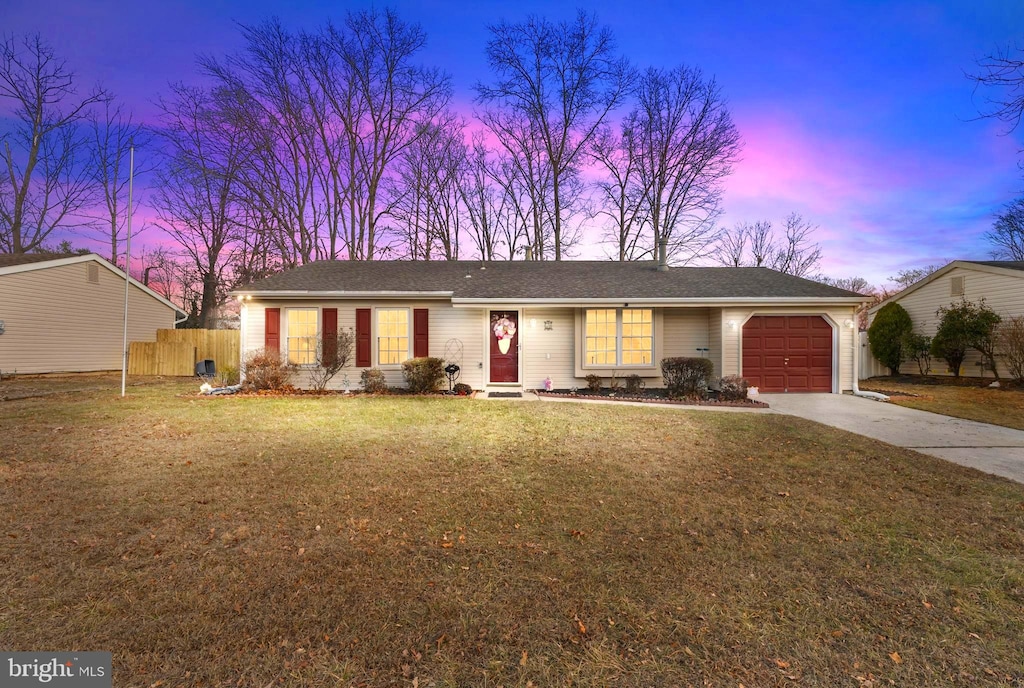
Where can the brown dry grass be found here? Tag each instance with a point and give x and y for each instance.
(1003, 406)
(405, 541)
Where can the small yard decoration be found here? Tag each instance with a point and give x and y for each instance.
(504, 330)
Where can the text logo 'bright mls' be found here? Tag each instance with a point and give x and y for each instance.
(67, 669)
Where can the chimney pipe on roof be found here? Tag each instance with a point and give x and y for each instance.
(663, 255)
(529, 253)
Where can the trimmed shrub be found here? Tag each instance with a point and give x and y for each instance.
(887, 334)
(687, 377)
(228, 376)
(265, 369)
(1010, 338)
(373, 381)
(423, 375)
(963, 326)
(462, 389)
(594, 382)
(917, 348)
(732, 388)
(634, 384)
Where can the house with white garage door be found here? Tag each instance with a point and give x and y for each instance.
(514, 324)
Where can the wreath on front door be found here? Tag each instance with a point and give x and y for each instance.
(504, 328)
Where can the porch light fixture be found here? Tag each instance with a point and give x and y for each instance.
(533, 323)
(549, 324)
(849, 323)
(731, 324)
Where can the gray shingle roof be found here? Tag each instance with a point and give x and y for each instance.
(9, 259)
(1008, 264)
(545, 280)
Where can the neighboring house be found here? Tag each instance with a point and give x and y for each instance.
(999, 282)
(560, 320)
(66, 314)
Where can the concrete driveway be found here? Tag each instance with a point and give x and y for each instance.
(989, 448)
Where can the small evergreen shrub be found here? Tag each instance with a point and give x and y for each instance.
(634, 384)
(423, 375)
(887, 335)
(687, 377)
(594, 382)
(266, 370)
(462, 389)
(373, 381)
(732, 388)
(228, 376)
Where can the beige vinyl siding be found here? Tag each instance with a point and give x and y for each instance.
(58, 321)
(715, 339)
(448, 327)
(1003, 293)
(548, 352)
(843, 337)
(685, 330)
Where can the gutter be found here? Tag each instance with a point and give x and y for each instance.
(857, 392)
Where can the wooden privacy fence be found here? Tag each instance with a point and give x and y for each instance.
(175, 352)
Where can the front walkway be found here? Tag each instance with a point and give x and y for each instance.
(989, 448)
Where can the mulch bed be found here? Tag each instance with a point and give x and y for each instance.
(650, 396)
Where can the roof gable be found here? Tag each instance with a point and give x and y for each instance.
(1007, 268)
(12, 264)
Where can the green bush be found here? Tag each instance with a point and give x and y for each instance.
(423, 375)
(887, 334)
(732, 388)
(462, 389)
(687, 377)
(373, 381)
(594, 382)
(1010, 337)
(266, 370)
(963, 326)
(228, 376)
(917, 347)
(634, 384)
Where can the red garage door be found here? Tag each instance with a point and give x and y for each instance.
(788, 353)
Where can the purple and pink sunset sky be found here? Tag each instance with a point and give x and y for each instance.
(858, 115)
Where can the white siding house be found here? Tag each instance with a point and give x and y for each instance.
(66, 314)
(1000, 284)
(570, 319)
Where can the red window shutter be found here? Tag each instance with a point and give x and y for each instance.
(420, 332)
(272, 329)
(363, 337)
(330, 335)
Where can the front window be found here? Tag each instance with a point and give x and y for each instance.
(619, 337)
(392, 336)
(302, 326)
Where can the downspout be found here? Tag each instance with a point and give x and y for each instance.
(857, 392)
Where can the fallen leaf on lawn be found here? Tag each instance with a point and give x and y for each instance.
(447, 545)
(781, 664)
(975, 636)
(302, 550)
(895, 657)
(579, 625)
(522, 660)
(927, 605)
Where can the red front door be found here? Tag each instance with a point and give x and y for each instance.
(504, 348)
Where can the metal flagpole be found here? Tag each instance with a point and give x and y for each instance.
(127, 266)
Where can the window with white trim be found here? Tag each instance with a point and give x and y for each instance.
(302, 329)
(619, 337)
(392, 335)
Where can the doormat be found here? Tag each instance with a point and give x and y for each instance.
(504, 395)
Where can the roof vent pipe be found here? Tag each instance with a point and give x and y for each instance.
(529, 252)
(663, 255)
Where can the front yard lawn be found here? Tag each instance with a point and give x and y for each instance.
(974, 402)
(455, 542)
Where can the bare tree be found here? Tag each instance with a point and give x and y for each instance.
(757, 245)
(380, 99)
(333, 354)
(198, 187)
(113, 133)
(483, 203)
(617, 156)
(1007, 234)
(564, 80)
(688, 144)
(796, 253)
(1002, 72)
(45, 181)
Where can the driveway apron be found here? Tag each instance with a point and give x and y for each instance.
(989, 448)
